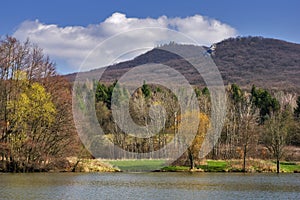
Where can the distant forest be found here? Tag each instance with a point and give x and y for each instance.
(259, 124)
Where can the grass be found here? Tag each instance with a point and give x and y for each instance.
(215, 166)
(289, 167)
(175, 168)
(236, 166)
(209, 166)
(138, 165)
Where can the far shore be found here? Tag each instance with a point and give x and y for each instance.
(159, 165)
(226, 166)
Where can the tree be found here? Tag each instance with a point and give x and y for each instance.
(64, 140)
(275, 136)
(231, 133)
(146, 90)
(265, 102)
(191, 155)
(248, 118)
(31, 116)
(35, 105)
(242, 122)
(194, 149)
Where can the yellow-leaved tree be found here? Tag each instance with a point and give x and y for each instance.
(191, 155)
(31, 117)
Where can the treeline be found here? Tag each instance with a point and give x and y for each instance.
(36, 124)
(259, 124)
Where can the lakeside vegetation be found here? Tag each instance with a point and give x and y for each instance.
(259, 124)
(237, 166)
(37, 132)
(137, 165)
(253, 166)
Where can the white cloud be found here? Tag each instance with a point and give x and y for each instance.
(70, 45)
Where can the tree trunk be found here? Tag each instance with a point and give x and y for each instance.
(191, 158)
(244, 158)
(277, 166)
(74, 167)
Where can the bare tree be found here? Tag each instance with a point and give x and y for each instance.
(248, 118)
(275, 136)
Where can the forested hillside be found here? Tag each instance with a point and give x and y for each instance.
(268, 63)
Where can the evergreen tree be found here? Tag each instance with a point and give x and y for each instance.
(146, 90)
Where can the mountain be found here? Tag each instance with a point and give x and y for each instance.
(268, 63)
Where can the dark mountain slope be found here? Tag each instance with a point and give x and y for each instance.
(264, 62)
(267, 63)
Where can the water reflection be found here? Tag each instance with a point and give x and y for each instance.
(149, 186)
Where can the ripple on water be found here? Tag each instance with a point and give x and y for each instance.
(149, 186)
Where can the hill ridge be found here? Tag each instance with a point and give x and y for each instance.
(265, 62)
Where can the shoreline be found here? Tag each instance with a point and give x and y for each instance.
(152, 165)
(236, 166)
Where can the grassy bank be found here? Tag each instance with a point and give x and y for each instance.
(237, 166)
(137, 165)
(290, 167)
(144, 165)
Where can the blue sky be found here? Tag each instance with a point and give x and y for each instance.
(267, 18)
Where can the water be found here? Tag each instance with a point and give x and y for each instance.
(149, 186)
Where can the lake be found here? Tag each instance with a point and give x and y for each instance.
(149, 186)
